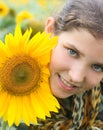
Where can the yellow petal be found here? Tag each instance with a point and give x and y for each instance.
(23, 43)
(37, 107)
(18, 33)
(19, 104)
(11, 111)
(4, 110)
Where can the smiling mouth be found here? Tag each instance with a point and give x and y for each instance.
(65, 84)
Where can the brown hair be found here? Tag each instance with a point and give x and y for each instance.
(76, 14)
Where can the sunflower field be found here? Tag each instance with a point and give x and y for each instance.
(28, 13)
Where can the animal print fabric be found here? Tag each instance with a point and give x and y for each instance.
(77, 113)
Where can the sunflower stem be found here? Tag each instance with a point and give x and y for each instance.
(4, 125)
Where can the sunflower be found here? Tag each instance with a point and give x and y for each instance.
(4, 10)
(19, 2)
(41, 2)
(23, 15)
(24, 87)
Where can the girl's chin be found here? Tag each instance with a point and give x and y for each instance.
(59, 95)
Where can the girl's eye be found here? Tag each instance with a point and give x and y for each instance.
(72, 52)
(97, 68)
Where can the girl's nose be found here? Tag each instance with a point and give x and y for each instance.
(77, 74)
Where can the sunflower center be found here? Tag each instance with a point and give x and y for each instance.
(20, 75)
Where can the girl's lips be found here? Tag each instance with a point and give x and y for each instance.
(65, 85)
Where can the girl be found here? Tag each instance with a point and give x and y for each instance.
(76, 65)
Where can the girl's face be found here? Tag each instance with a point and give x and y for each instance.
(76, 63)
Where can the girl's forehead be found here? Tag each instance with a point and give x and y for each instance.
(79, 36)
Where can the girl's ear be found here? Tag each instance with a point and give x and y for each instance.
(49, 25)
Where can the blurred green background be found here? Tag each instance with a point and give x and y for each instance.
(29, 13)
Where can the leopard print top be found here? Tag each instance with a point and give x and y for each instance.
(77, 113)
